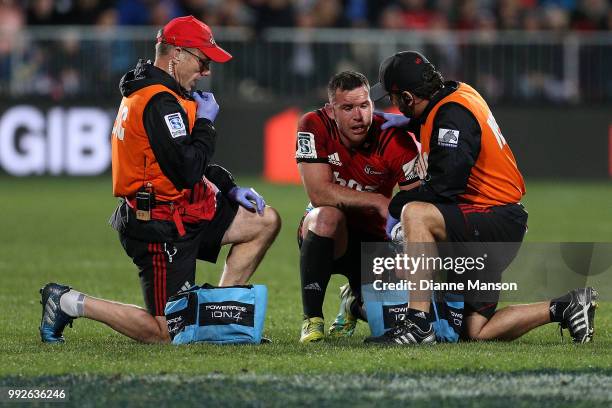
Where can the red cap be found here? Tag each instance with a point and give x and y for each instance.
(190, 32)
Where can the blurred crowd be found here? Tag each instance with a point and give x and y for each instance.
(259, 14)
(74, 67)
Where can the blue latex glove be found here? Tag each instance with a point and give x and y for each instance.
(393, 120)
(208, 108)
(248, 198)
(391, 222)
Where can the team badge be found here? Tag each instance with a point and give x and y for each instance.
(448, 137)
(175, 124)
(305, 146)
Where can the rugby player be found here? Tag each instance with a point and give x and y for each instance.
(349, 167)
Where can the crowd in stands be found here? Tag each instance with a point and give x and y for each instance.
(56, 69)
(389, 14)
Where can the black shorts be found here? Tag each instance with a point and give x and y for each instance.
(466, 223)
(348, 264)
(166, 262)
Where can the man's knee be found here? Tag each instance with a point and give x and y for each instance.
(325, 221)
(156, 332)
(271, 222)
(474, 325)
(418, 215)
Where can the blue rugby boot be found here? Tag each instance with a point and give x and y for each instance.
(53, 319)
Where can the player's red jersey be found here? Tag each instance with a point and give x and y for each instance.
(385, 159)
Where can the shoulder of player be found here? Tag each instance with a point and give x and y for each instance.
(392, 138)
(315, 117)
(318, 123)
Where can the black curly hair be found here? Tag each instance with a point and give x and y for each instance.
(433, 81)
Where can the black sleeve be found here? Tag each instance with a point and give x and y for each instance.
(182, 156)
(221, 177)
(453, 151)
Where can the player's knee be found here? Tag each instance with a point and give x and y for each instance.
(325, 221)
(272, 221)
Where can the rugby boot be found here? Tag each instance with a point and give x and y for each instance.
(345, 323)
(405, 333)
(579, 315)
(53, 319)
(312, 329)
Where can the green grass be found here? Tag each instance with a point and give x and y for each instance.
(55, 229)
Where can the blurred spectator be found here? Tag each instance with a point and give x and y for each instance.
(416, 14)
(84, 12)
(134, 12)
(273, 13)
(509, 14)
(356, 13)
(11, 21)
(42, 12)
(391, 18)
(328, 13)
(467, 18)
(590, 15)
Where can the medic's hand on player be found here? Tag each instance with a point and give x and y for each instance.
(248, 198)
(393, 120)
(208, 108)
(391, 222)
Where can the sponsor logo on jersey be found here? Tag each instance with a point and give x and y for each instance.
(371, 170)
(448, 137)
(334, 159)
(305, 146)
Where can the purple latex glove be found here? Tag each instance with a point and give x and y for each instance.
(391, 222)
(248, 198)
(393, 120)
(208, 108)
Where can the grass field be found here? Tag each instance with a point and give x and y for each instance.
(55, 230)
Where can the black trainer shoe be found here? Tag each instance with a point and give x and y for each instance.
(579, 315)
(405, 333)
(53, 319)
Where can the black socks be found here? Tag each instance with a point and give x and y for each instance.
(316, 263)
(558, 306)
(420, 318)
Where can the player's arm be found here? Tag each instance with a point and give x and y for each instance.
(401, 155)
(321, 189)
(449, 167)
(317, 176)
(182, 156)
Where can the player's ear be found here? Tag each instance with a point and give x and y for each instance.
(329, 110)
